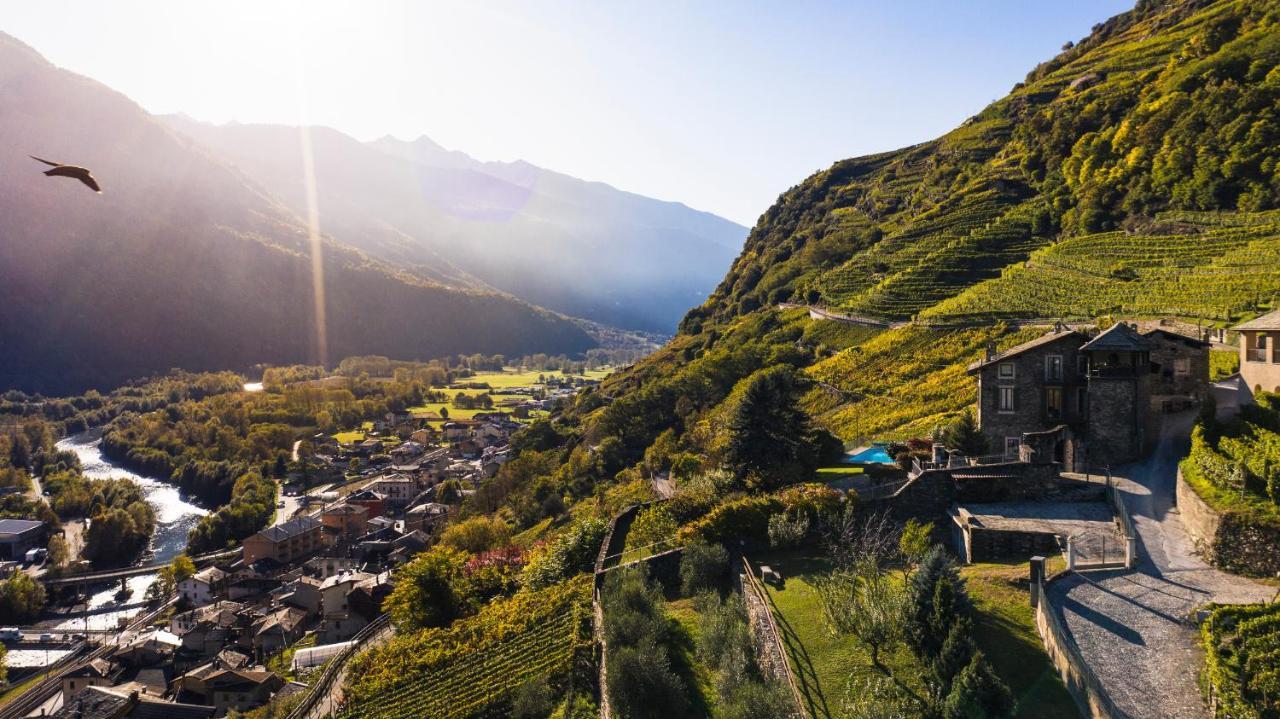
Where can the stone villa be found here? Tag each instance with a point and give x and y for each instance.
(1260, 353)
(1109, 390)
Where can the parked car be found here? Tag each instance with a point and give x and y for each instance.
(10, 634)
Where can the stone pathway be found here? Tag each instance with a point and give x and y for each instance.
(1134, 628)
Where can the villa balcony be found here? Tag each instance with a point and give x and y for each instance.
(1256, 354)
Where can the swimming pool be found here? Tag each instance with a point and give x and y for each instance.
(875, 454)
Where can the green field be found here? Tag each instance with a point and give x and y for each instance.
(1006, 633)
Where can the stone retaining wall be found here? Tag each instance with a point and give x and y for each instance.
(1199, 519)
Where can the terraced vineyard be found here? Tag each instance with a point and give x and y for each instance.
(904, 381)
(471, 669)
(1219, 267)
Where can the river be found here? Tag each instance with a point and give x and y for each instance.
(174, 518)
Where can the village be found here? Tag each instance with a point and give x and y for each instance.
(246, 625)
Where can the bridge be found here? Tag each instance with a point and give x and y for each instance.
(103, 577)
(114, 575)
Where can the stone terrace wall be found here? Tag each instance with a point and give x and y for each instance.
(1230, 540)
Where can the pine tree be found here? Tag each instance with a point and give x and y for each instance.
(770, 438)
(977, 693)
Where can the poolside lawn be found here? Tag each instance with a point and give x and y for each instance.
(1005, 632)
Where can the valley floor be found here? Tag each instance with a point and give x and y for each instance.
(1135, 628)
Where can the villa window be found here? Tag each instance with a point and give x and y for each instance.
(1006, 370)
(1011, 446)
(1181, 366)
(1006, 399)
(1053, 401)
(1053, 368)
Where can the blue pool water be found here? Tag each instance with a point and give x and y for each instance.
(874, 454)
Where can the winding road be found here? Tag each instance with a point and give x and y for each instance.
(1135, 628)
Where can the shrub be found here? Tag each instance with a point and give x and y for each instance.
(572, 552)
(743, 518)
(652, 530)
(477, 534)
(642, 685)
(703, 567)
(787, 530)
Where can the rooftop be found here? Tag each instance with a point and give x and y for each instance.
(1119, 337)
(1045, 339)
(291, 528)
(18, 526)
(1269, 321)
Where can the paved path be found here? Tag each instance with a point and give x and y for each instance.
(1132, 626)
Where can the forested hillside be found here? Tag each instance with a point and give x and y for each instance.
(183, 262)
(1133, 175)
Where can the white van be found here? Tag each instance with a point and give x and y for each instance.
(10, 634)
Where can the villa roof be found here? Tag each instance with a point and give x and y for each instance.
(1045, 339)
(1177, 336)
(1120, 337)
(291, 528)
(1269, 321)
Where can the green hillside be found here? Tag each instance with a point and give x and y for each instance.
(1132, 175)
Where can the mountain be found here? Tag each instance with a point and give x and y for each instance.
(1133, 175)
(186, 262)
(582, 248)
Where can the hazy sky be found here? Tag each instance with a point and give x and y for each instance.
(718, 105)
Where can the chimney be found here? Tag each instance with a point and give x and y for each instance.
(991, 350)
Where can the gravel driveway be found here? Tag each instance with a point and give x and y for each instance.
(1132, 625)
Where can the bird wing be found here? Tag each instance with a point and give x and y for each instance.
(91, 182)
(52, 164)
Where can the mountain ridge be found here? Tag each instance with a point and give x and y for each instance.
(185, 262)
(582, 248)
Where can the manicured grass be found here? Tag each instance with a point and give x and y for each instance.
(833, 472)
(696, 675)
(823, 663)
(1005, 632)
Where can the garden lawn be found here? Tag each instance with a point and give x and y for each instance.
(823, 664)
(1005, 632)
(696, 675)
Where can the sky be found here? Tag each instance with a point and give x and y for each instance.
(718, 105)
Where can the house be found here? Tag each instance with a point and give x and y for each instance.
(457, 430)
(1099, 387)
(19, 535)
(406, 452)
(325, 567)
(334, 591)
(396, 488)
(203, 587)
(359, 605)
(426, 518)
(303, 593)
(1179, 369)
(94, 673)
(153, 648)
(207, 629)
(1260, 353)
(97, 702)
(345, 521)
(278, 629)
(285, 542)
(375, 503)
(227, 689)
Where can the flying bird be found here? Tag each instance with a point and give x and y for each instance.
(80, 173)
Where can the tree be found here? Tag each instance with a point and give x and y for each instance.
(477, 534)
(771, 440)
(978, 693)
(182, 567)
(652, 530)
(867, 603)
(58, 552)
(914, 541)
(21, 598)
(703, 567)
(963, 434)
(429, 591)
